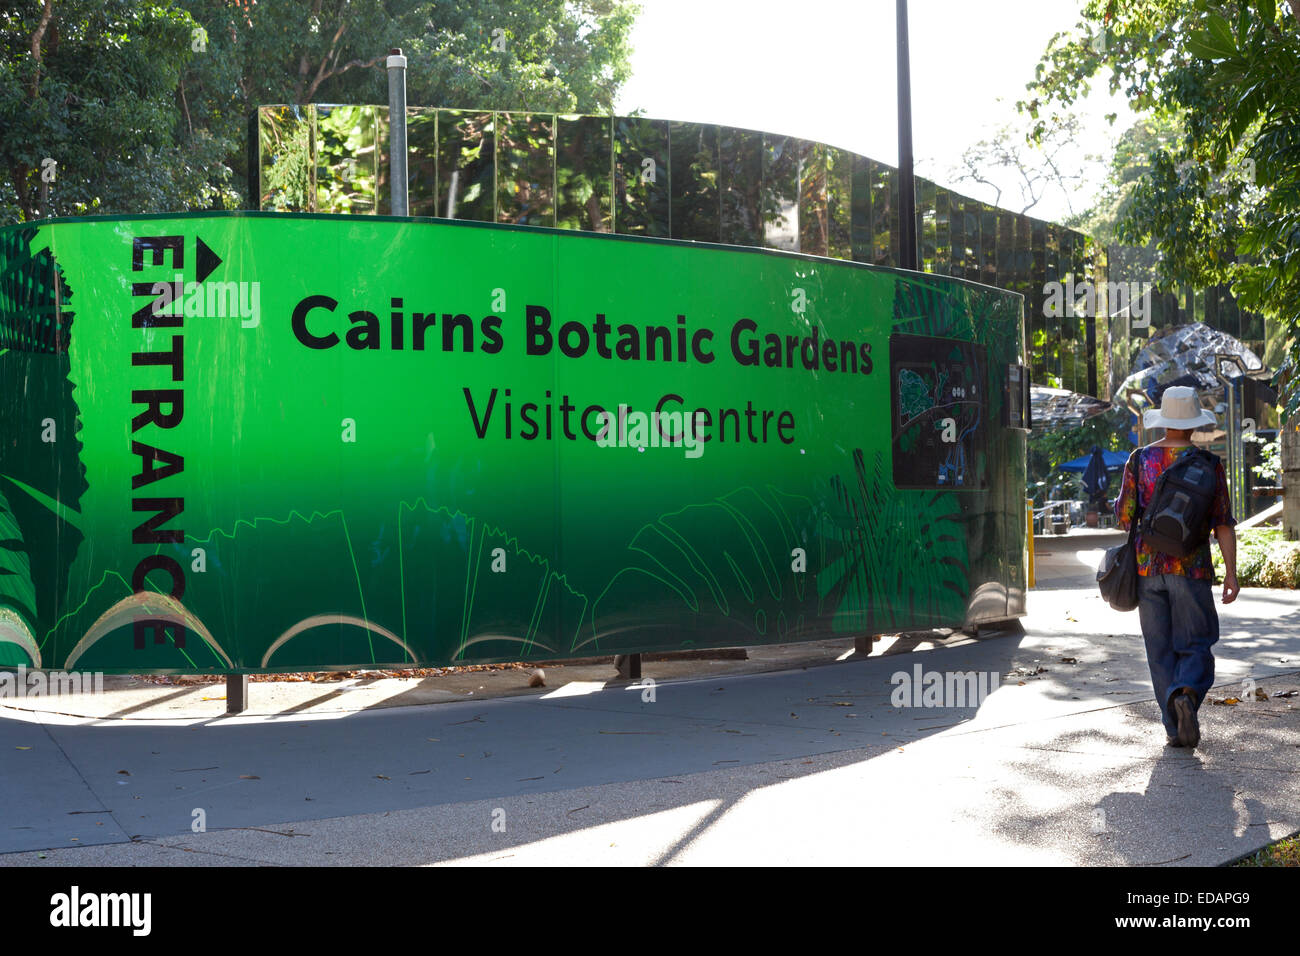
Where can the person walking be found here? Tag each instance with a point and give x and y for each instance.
(1175, 594)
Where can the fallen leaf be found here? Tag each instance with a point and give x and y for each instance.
(1069, 660)
(22, 748)
(1229, 701)
(841, 703)
(125, 773)
(1259, 694)
(249, 776)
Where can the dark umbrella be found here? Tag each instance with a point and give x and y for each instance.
(1096, 479)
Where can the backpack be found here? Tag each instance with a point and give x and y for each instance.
(1177, 519)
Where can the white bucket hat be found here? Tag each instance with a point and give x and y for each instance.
(1179, 408)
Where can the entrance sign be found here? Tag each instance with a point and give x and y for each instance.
(268, 442)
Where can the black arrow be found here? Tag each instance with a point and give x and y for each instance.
(207, 260)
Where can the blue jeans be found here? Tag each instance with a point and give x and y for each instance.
(1179, 625)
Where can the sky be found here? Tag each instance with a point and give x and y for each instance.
(825, 70)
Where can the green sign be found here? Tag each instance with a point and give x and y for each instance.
(265, 442)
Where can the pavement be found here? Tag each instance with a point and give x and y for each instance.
(800, 754)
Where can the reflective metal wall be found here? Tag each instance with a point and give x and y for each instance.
(707, 183)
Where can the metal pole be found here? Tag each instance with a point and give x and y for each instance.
(907, 255)
(236, 693)
(397, 132)
(1232, 429)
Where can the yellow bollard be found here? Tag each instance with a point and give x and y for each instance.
(1029, 538)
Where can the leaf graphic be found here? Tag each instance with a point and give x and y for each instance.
(16, 588)
(902, 560)
(727, 560)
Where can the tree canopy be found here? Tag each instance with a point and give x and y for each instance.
(1219, 194)
(138, 106)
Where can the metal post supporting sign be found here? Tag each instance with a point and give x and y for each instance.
(397, 131)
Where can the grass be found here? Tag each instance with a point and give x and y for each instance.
(1282, 853)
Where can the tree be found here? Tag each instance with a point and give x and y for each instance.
(1034, 166)
(1221, 197)
(144, 106)
(88, 110)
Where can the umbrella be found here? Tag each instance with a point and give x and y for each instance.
(1114, 460)
(1095, 477)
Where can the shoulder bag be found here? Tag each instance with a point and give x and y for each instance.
(1117, 575)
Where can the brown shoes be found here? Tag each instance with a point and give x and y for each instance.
(1189, 729)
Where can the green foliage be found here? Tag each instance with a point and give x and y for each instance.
(144, 106)
(1270, 457)
(1220, 199)
(1265, 559)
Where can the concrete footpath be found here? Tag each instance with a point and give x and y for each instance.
(1063, 763)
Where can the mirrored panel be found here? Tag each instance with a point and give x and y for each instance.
(839, 203)
(1037, 302)
(466, 165)
(584, 173)
(973, 246)
(942, 231)
(1006, 249)
(346, 159)
(641, 177)
(1054, 308)
(988, 273)
(525, 147)
(693, 179)
(863, 241)
(383, 169)
(884, 214)
(781, 155)
(959, 252)
(287, 168)
(740, 186)
(927, 226)
(814, 238)
(422, 161)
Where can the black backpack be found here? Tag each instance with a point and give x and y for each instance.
(1176, 520)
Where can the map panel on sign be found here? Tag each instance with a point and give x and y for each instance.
(939, 405)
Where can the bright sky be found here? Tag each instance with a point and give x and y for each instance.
(825, 70)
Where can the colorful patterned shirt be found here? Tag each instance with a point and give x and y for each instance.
(1151, 461)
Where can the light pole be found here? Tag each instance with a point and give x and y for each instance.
(907, 254)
